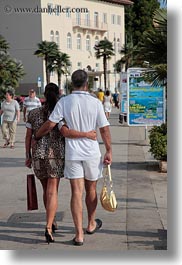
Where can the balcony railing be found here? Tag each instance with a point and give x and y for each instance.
(90, 25)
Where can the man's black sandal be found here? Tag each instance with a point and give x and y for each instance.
(98, 226)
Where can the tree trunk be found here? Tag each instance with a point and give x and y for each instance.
(59, 80)
(105, 71)
(47, 72)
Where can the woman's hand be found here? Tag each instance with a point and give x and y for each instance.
(92, 135)
(28, 162)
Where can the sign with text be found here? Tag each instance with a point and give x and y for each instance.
(39, 83)
(146, 103)
(123, 91)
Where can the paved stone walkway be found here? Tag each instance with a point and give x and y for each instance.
(140, 222)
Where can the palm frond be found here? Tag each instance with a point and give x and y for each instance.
(157, 75)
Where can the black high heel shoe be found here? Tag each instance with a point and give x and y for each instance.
(48, 236)
(54, 227)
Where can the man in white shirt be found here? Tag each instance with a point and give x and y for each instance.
(83, 163)
(31, 102)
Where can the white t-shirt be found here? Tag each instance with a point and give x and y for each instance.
(84, 113)
(31, 103)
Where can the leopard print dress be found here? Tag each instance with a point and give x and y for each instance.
(48, 153)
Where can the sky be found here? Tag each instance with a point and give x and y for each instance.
(162, 3)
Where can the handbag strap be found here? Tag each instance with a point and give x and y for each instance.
(108, 173)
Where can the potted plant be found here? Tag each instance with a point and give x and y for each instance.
(158, 145)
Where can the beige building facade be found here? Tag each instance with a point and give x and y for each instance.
(76, 26)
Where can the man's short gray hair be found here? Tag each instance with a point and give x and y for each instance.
(79, 78)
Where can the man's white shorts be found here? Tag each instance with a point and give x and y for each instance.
(89, 169)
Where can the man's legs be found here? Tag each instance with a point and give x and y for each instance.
(91, 203)
(77, 187)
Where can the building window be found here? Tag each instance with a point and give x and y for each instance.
(96, 40)
(57, 38)
(119, 20)
(87, 19)
(52, 35)
(113, 19)
(79, 46)
(69, 41)
(79, 65)
(96, 19)
(78, 18)
(88, 44)
(104, 18)
(97, 66)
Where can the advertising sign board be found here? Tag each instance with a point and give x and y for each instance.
(146, 103)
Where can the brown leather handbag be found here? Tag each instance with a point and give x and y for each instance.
(32, 202)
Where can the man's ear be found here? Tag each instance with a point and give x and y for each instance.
(86, 86)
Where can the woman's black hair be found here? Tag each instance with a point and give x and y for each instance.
(107, 92)
(52, 96)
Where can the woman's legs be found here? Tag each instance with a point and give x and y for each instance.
(106, 113)
(5, 131)
(44, 186)
(12, 132)
(50, 198)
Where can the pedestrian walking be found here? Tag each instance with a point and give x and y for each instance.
(31, 102)
(100, 95)
(83, 162)
(116, 99)
(11, 115)
(47, 155)
(61, 93)
(107, 102)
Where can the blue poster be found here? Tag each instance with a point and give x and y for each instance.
(146, 103)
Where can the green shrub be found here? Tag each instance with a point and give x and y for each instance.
(158, 142)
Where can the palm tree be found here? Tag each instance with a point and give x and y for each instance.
(4, 46)
(160, 20)
(104, 49)
(11, 71)
(128, 52)
(47, 50)
(60, 64)
(153, 48)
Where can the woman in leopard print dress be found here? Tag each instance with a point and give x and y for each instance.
(47, 155)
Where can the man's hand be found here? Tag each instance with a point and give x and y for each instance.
(106, 137)
(107, 158)
(92, 135)
(45, 129)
